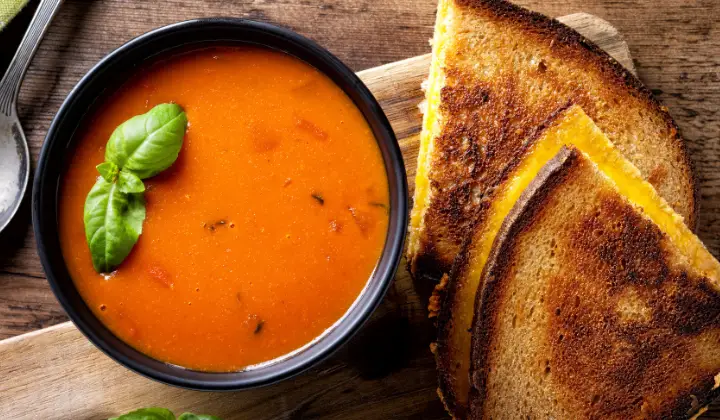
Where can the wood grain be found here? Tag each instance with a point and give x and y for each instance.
(385, 372)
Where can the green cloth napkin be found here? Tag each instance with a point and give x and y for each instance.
(8, 10)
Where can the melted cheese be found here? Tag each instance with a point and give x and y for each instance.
(431, 126)
(573, 128)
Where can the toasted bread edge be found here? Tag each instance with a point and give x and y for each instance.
(551, 175)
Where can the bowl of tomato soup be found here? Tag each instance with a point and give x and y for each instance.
(270, 239)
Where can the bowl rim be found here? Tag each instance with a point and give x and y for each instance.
(47, 239)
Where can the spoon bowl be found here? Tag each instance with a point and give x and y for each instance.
(15, 167)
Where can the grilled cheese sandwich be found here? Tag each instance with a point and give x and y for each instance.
(596, 302)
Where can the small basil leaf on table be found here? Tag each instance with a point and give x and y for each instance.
(153, 413)
(108, 170)
(113, 223)
(149, 143)
(130, 183)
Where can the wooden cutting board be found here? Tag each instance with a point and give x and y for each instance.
(384, 372)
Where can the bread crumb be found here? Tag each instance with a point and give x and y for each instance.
(422, 107)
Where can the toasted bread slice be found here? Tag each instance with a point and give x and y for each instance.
(571, 127)
(594, 307)
(497, 72)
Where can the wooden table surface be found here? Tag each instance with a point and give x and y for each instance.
(675, 44)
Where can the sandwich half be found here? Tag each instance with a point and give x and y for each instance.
(497, 72)
(594, 305)
(569, 126)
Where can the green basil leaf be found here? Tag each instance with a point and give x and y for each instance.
(108, 170)
(113, 223)
(149, 143)
(153, 413)
(129, 183)
(191, 416)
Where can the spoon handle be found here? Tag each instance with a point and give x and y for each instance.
(10, 83)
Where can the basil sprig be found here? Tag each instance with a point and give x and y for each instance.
(139, 148)
(155, 413)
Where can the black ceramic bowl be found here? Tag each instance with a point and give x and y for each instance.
(108, 75)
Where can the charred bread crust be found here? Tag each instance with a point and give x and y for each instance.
(444, 325)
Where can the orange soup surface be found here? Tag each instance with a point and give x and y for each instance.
(263, 232)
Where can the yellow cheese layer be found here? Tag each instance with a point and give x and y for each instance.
(573, 128)
(430, 127)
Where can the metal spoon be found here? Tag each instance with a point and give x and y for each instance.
(14, 154)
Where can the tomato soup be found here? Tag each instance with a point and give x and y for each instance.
(264, 231)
